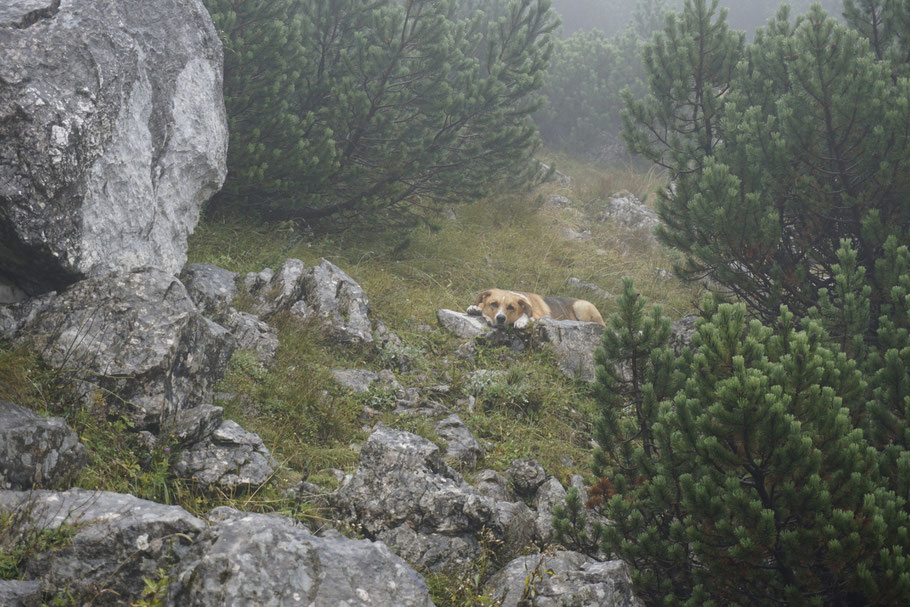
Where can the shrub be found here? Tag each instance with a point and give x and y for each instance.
(768, 466)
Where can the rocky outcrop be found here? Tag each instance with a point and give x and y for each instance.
(114, 134)
(402, 481)
(250, 333)
(255, 559)
(573, 343)
(321, 294)
(135, 339)
(564, 579)
(213, 290)
(36, 451)
(228, 458)
(108, 541)
(332, 299)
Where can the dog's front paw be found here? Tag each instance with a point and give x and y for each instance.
(474, 310)
(522, 322)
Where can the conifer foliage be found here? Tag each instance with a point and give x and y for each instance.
(376, 109)
(767, 466)
(781, 148)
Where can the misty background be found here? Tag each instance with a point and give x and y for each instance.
(612, 16)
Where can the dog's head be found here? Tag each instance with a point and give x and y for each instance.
(502, 308)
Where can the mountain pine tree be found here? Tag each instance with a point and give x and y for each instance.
(376, 110)
(750, 484)
(805, 142)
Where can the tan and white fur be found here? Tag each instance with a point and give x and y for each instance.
(503, 308)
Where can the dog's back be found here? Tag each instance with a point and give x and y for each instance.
(569, 308)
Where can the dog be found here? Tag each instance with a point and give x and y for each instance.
(502, 308)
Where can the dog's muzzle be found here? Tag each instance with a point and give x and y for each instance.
(500, 319)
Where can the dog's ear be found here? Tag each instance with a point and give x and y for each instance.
(482, 296)
(525, 306)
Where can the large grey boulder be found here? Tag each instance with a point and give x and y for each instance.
(135, 339)
(402, 480)
(256, 559)
(36, 451)
(573, 343)
(114, 134)
(114, 541)
(229, 458)
(564, 579)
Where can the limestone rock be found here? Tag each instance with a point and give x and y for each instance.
(574, 343)
(357, 381)
(211, 288)
(565, 579)
(256, 559)
(116, 540)
(525, 476)
(463, 325)
(250, 333)
(402, 480)
(461, 445)
(229, 458)
(549, 495)
(192, 426)
(518, 526)
(19, 593)
(494, 485)
(431, 551)
(280, 291)
(627, 210)
(332, 299)
(681, 332)
(136, 339)
(36, 451)
(114, 135)
(322, 294)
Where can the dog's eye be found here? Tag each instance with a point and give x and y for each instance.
(494, 305)
(510, 308)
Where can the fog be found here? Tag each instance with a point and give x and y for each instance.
(611, 16)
